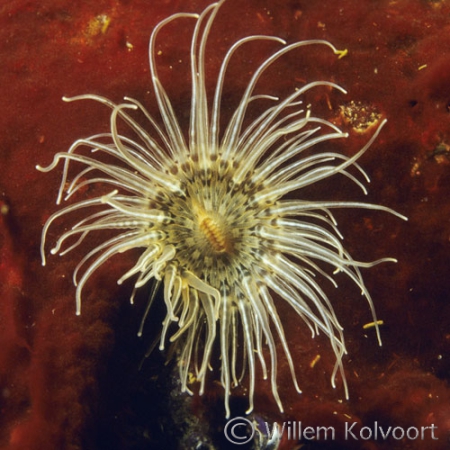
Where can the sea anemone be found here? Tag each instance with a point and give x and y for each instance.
(210, 215)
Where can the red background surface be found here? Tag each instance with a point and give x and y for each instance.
(70, 382)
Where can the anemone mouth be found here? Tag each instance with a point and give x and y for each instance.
(210, 215)
(212, 222)
(215, 231)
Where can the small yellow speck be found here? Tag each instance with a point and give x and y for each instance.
(372, 324)
(98, 24)
(341, 53)
(129, 46)
(314, 361)
(96, 27)
(423, 66)
(105, 21)
(4, 209)
(191, 378)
